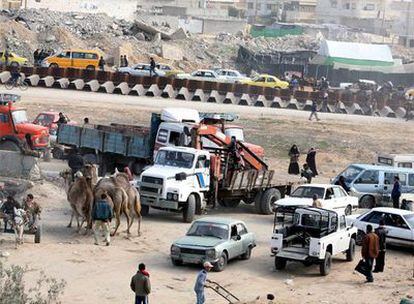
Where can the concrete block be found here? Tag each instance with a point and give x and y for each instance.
(15, 164)
(262, 102)
(277, 102)
(168, 92)
(355, 109)
(138, 90)
(293, 104)
(47, 81)
(245, 100)
(63, 83)
(92, 85)
(199, 96)
(107, 87)
(306, 106)
(78, 84)
(184, 94)
(387, 112)
(230, 98)
(33, 80)
(153, 91)
(122, 88)
(400, 112)
(4, 76)
(215, 97)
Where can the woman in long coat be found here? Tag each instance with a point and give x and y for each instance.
(311, 161)
(294, 160)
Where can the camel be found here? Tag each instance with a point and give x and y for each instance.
(80, 196)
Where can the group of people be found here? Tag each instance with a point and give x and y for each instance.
(308, 170)
(40, 55)
(123, 61)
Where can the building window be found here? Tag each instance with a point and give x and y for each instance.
(370, 7)
(347, 5)
(334, 3)
(269, 7)
(353, 5)
(250, 5)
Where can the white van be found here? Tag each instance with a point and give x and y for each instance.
(373, 184)
(395, 160)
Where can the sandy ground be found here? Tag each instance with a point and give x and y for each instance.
(102, 274)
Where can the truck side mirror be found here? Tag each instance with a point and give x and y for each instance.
(181, 176)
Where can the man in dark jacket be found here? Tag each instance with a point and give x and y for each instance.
(382, 236)
(152, 67)
(75, 163)
(7, 209)
(140, 284)
(102, 216)
(369, 251)
(101, 64)
(396, 193)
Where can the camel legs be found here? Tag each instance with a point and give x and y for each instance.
(118, 218)
(128, 217)
(139, 224)
(71, 218)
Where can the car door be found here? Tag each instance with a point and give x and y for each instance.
(328, 201)
(245, 237)
(368, 182)
(235, 244)
(261, 81)
(202, 171)
(340, 200)
(344, 237)
(399, 232)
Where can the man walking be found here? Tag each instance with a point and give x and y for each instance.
(369, 251)
(314, 110)
(101, 64)
(102, 216)
(140, 284)
(201, 283)
(152, 67)
(33, 210)
(381, 232)
(396, 192)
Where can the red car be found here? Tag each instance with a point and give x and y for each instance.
(48, 119)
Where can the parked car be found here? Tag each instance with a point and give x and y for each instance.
(311, 236)
(231, 75)
(267, 81)
(13, 59)
(73, 58)
(206, 75)
(399, 224)
(408, 198)
(330, 196)
(216, 240)
(140, 69)
(49, 119)
(373, 184)
(169, 70)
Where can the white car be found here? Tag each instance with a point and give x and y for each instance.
(231, 75)
(399, 224)
(140, 69)
(206, 75)
(330, 196)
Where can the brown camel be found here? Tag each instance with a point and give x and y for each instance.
(80, 196)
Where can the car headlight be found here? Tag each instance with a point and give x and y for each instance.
(172, 196)
(211, 253)
(175, 250)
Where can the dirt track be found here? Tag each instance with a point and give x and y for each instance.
(103, 273)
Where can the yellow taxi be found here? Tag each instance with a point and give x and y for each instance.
(267, 81)
(13, 59)
(169, 70)
(81, 59)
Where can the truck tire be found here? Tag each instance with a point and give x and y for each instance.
(144, 210)
(270, 196)
(247, 254)
(350, 253)
(57, 153)
(9, 145)
(189, 210)
(367, 202)
(222, 263)
(38, 235)
(348, 210)
(176, 262)
(325, 265)
(280, 263)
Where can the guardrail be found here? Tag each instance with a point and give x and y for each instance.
(203, 91)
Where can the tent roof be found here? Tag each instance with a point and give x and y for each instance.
(356, 51)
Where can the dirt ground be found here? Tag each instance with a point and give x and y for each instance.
(102, 274)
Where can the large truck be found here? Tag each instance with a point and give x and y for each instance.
(16, 132)
(119, 145)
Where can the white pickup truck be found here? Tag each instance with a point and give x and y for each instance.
(311, 236)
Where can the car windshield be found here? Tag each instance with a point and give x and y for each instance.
(19, 117)
(219, 231)
(44, 119)
(174, 159)
(350, 173)
(308, 192)
(410, 219)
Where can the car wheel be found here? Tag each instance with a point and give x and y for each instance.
(367, 202)
(280, 263)
(348, 210)
(189, 210)
(9, 145)
(247, 254)
(350, 253)
(14, 64)
(270, 196)
(90, 68)
(53, 66)
(176, 262)
(325, 265)
(144, 210)
(360, 237)
(221, 263)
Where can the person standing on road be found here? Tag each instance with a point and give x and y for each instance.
(314, 110)
(121, 61)
(7, 210)
(152, 67)
(33, 210)
(125, 61)
(381, 232)
(102, 216)
(75, 163)
(311, 161)
(36, 57)
(101, 64)
(200, 283)
(294, 159)
(140, 284)
(307, 173)
(369, 251)
(396, 192)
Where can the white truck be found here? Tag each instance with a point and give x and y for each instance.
(311, 236)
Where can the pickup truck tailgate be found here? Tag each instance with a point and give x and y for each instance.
(294, 253)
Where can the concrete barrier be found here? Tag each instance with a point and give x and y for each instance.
(293, 104)
(306, 106)
(169, 92)
(138, 90)
(400, 112)
(4, 76)
(262, 101)
(387, 112)
(78, 84)
(122, 88)
(107, 87)
(92, 85)
(47, 81)
(355, 109)
(33, 80)
(63, 83)
(277, 102)
(184, 94)
(199, 96)
(245, 100)
(215, 97)
(230, 98)
(153, 91)
(15, 164)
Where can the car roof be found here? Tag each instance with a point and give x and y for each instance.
(392, 210)
(219, 220)
(183, 149)
(318, 185)
(202, 70)
(49, 113)
(81, 50)
(385, 168)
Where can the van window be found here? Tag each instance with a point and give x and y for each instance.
(64, 55)
(91, 56)
(368, 177)
(162, 136)
(78, 55)
(411, 180)
(174, 138)
(405, 165)
(389, 178)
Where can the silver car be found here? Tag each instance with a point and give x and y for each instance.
(216, 240)
(140, 69)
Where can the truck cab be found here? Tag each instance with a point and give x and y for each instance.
(15, 128)
(178, 181)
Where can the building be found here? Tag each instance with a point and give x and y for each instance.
(299, 11)
(259, 9)
(404, 25)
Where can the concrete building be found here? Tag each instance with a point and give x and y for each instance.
(403, 26)
(256, 9)
(299, 11)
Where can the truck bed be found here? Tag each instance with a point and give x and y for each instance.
(295, 252)
(253, 179)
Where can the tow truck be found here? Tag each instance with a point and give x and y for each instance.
(15, 130)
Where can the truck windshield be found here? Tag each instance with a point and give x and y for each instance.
(209, 229)
(19, 117)
(350, 173)
(308, 192)
(174, 159)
